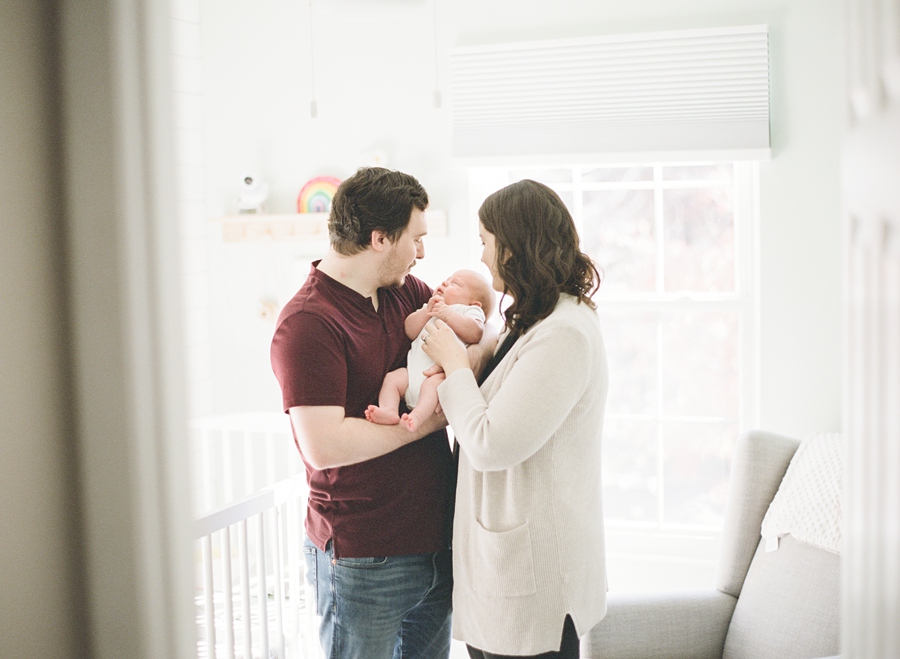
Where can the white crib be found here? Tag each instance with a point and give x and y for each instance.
(250, 490)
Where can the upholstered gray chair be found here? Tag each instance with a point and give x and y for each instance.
(766, 604)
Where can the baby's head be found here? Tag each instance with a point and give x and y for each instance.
(468, 287)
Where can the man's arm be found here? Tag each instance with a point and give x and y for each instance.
(329, 439)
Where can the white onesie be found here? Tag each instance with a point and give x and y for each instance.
(417, 361)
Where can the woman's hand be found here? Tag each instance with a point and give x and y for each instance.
(443, 347)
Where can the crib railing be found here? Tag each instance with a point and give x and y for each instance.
(250, 505)
(236, 455)
(251, 598)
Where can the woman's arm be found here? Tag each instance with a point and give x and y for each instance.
(537, 393)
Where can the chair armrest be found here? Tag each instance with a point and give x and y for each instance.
(661, 626)
(759, 463)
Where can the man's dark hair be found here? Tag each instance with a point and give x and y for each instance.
(373, 199)
(537, 252)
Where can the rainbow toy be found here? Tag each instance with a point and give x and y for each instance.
(316, 195)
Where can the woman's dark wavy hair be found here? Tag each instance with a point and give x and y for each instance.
(373, 199)
(537, 251)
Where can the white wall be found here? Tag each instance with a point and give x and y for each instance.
(800, 234)
(374, 81)
(187, 73)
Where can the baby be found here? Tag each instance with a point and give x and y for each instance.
(464, 301)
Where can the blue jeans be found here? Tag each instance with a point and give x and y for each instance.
(394, 607)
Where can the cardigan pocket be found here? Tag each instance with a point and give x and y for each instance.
(503, 562)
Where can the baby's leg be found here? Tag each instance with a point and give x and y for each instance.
(428, 401)
(392, 389)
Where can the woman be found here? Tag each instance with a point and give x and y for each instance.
(528, 553)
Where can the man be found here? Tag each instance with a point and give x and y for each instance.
(380, 500)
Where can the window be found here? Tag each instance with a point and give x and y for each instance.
(677, 306)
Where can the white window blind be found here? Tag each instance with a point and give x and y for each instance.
(696, 91)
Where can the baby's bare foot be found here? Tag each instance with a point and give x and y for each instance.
(382, 416)
(410, 421)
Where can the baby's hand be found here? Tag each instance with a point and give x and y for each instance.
(440, 309)
(432, 301)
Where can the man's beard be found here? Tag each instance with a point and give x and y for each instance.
(389, 277)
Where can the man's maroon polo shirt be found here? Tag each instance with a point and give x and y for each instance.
(332, 348)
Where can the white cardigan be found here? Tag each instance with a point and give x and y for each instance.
(528, 532)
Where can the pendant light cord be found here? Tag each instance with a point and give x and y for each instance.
(437, 91)
(313, 106)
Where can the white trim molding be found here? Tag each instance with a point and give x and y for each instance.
(871, 225)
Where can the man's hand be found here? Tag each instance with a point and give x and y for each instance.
(480, 353)
(433, 423)
(434, 369)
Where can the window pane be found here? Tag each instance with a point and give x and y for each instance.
(617, 174)
(695, 471)
(542, 175)
(701, 363)
(567, 198)
(630, 340)
(719, 172)
(618, 234)
(629, 476)
(699, 237)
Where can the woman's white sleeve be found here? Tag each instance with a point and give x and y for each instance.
(537, 393)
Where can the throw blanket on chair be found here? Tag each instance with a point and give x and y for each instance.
(808, 502)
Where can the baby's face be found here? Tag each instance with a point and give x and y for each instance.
(459, 288)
